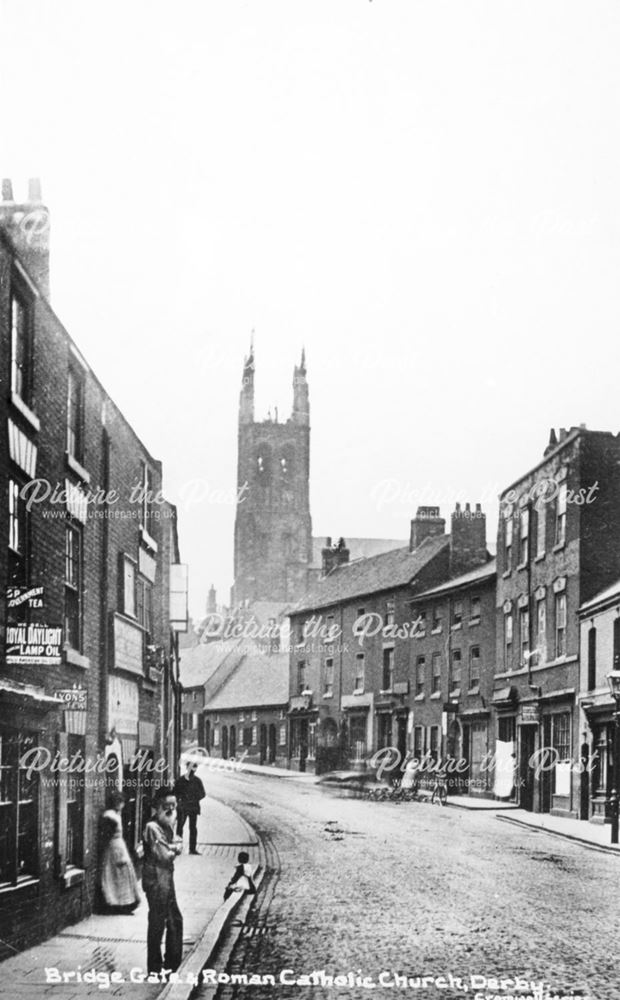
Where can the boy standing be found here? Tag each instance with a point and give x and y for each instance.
(161, 847)
(189, 791)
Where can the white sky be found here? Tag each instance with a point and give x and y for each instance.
(425, 194)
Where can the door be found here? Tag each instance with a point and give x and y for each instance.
(303, 744)
(262, 743)
(225, 742)
(526, 771)
(233, 741)
(272, 744)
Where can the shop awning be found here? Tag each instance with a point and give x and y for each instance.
(12, 692)
(505, 696)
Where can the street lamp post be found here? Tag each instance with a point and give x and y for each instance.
(613, 679)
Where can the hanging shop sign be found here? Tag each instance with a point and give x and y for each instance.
(75, 699)
(33, 644)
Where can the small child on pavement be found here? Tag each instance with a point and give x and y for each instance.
(242, 880)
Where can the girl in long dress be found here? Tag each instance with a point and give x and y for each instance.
(119, 885)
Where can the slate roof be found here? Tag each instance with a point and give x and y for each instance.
(199, 663)
(259, 679)
(484, 572)
(367, 576)
(604, 595)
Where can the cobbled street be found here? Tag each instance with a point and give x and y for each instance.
(418, 890)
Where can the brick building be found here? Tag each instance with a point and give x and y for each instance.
(558, 547)
(94, 595)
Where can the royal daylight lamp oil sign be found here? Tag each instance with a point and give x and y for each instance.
(33, 644)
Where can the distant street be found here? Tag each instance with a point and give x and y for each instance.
(379, 890)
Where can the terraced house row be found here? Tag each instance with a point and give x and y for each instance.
(506, 667)
(92, 602)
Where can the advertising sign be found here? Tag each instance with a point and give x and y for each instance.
(31, 644)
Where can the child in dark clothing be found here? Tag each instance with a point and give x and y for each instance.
(242, 877)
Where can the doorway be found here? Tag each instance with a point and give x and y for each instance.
(526, 771)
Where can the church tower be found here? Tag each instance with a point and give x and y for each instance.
(273, 529)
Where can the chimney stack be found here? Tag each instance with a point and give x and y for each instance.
(426, 524)
(28, 225)
(468, 546)
(334, 555)
(212, 601)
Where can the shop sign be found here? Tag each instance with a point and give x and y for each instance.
(75, 699)
(28, 597)
(530, 715)
(33, 644)
(128, 646)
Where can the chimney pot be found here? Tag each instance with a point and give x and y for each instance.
(7, 190)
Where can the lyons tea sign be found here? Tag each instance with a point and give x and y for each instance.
(33, 644)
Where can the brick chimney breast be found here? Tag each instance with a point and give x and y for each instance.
(28, 225)
(334, 555)
(468, 547)
(426, 524)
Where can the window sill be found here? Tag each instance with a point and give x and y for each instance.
(474, 690)
(436, 631)
(513, 673)
(72, 876)
(359, 691)
(474, 621)
(25, 411)
(456, 626)
(522, 565)
(147, 539)
(327, 696)
(419, 697)
(558, 547)
(456, 693)
(540, 557)
(559, 661)
(25, 882)
(436, 695)
(76, 659)
(506, 574)
(419, 635)
(386, 691)
(77, 468)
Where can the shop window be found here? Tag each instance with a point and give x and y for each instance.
(282, 736)
(18, 809)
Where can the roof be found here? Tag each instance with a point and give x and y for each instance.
(259, 679)
(199, 663)
(366, 576)
(604, 595)
(479, 574)
(360, 548)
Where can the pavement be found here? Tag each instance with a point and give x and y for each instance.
(109, 943)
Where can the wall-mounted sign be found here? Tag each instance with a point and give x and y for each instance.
(128, 646)
(530, 715)
(24, 597)
(75, 699)
(32, 644)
